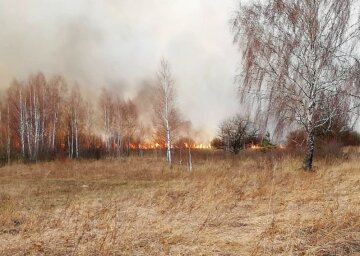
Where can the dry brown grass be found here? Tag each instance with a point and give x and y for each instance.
(136, 206)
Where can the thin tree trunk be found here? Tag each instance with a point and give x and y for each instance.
(43, 116)
(190, 160)
(76, 136)
(22, 126)
(121, 145)
(168, 147)
(37, 128)
(28, 126)
(8, 135)
(72, 138)
(54, 133)
(106, 121)
(118, 144)
(69, 146)
(308, 162)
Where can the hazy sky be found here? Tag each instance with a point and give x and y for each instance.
(119, 43)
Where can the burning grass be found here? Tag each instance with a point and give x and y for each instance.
(136, 206)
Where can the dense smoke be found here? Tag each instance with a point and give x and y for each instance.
(118, 44)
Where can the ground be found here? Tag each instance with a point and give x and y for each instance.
(138, 206)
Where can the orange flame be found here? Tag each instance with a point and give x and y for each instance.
(197, 146)
(256, 147)
(148, 146)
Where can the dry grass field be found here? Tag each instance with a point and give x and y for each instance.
(137, 206)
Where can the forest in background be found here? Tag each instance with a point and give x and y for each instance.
(44, 117)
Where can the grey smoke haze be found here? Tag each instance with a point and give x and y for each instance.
(119, 43)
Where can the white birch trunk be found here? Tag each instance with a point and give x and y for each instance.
(54, 133)
(310, 142)
(168, 145)
(28, 130)
(190, 160)
(76, 135)
(8, 135)
(37, 128)
(22, 125)
(43, 121)
(167, 125)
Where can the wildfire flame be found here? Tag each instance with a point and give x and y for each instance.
(149, 146)
(256, 147)
(146, 146)
(197, 146)
(202, 146)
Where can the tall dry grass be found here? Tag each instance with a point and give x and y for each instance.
(137, 206)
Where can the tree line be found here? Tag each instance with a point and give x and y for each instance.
(43, 118)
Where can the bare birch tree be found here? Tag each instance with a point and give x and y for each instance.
(117, 124)
(27, 113)
(166, 117)
(57, 87)
(36, 113)
(4, 133)
(8, 131)
(299, 61)
(106, 103)
(75, 119)
(130, 121)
